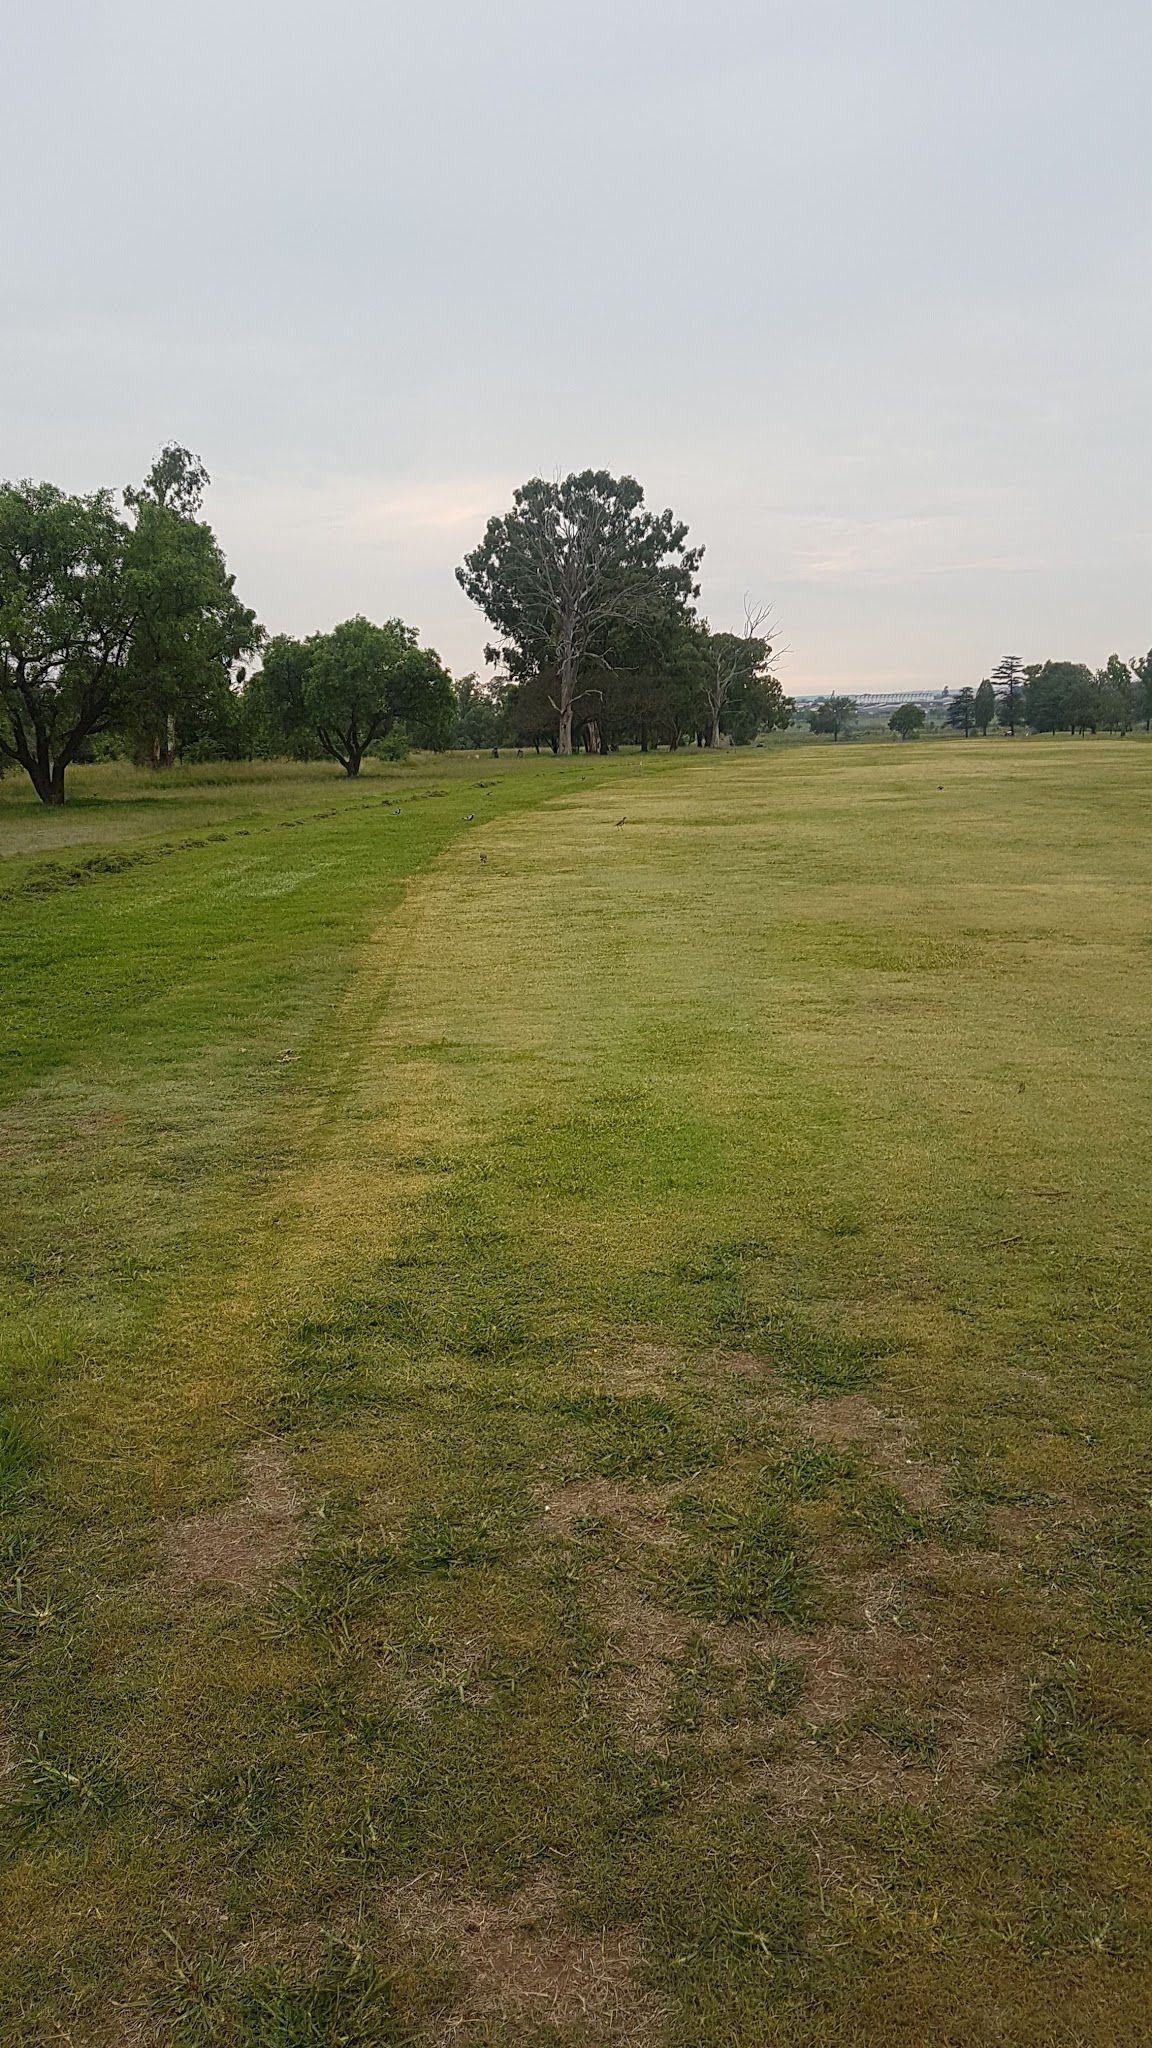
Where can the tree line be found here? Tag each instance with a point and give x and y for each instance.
(1058, 696)
(1043, 696)
(121, 631)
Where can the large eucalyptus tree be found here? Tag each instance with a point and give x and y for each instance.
(577, 562)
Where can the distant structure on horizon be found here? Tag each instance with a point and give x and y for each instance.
(874, 701)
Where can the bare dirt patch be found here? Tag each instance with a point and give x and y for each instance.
(641, 1369)
(644, 1641)
(519, 1960)
(634, 1368)
(240, 1548)
(650, 1365)
(891, 1711)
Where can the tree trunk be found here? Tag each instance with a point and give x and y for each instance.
(162, 744)
(567, 693)
(352, 764)
(49, 783)
(714, 735)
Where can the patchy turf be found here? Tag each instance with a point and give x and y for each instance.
(576, 1451)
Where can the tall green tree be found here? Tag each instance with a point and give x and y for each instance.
(348, 689)
(652, 690)
(531, 718)
(962, 711)
(191, 629)
(1084, 705)
(1009, 677)
(1117, 695)
(1142, 672)
(68, 608)
(730, 662)
(1058, 696)
(114, 624)
(984, 707)
(575, 562)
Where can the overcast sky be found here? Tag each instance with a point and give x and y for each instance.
(862, 288)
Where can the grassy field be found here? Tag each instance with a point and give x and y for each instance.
(576, 1448)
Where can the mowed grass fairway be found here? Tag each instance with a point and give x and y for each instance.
(577, 1428)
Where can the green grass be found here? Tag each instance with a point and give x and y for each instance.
(687, 1287)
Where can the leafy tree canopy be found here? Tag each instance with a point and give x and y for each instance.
(1009, 677)
(481, 713)
(742, 696)
(1060, 696)
(1118, 694)
(1142, 674)
(191, 628)
(68, 609)
(112, 623)
(347, 689)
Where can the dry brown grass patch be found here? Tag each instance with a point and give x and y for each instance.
(519, 1960)
(240, 1548)
(851, 1420)
(461, 1667)
(645, 1652)
(844, 1668)
(636, 1512)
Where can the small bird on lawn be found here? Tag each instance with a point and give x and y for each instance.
(469, 818)
(483, 860)
(621, 821)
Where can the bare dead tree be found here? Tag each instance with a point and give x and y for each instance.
(731, 655)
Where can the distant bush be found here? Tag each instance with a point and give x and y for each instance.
(907, 720)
